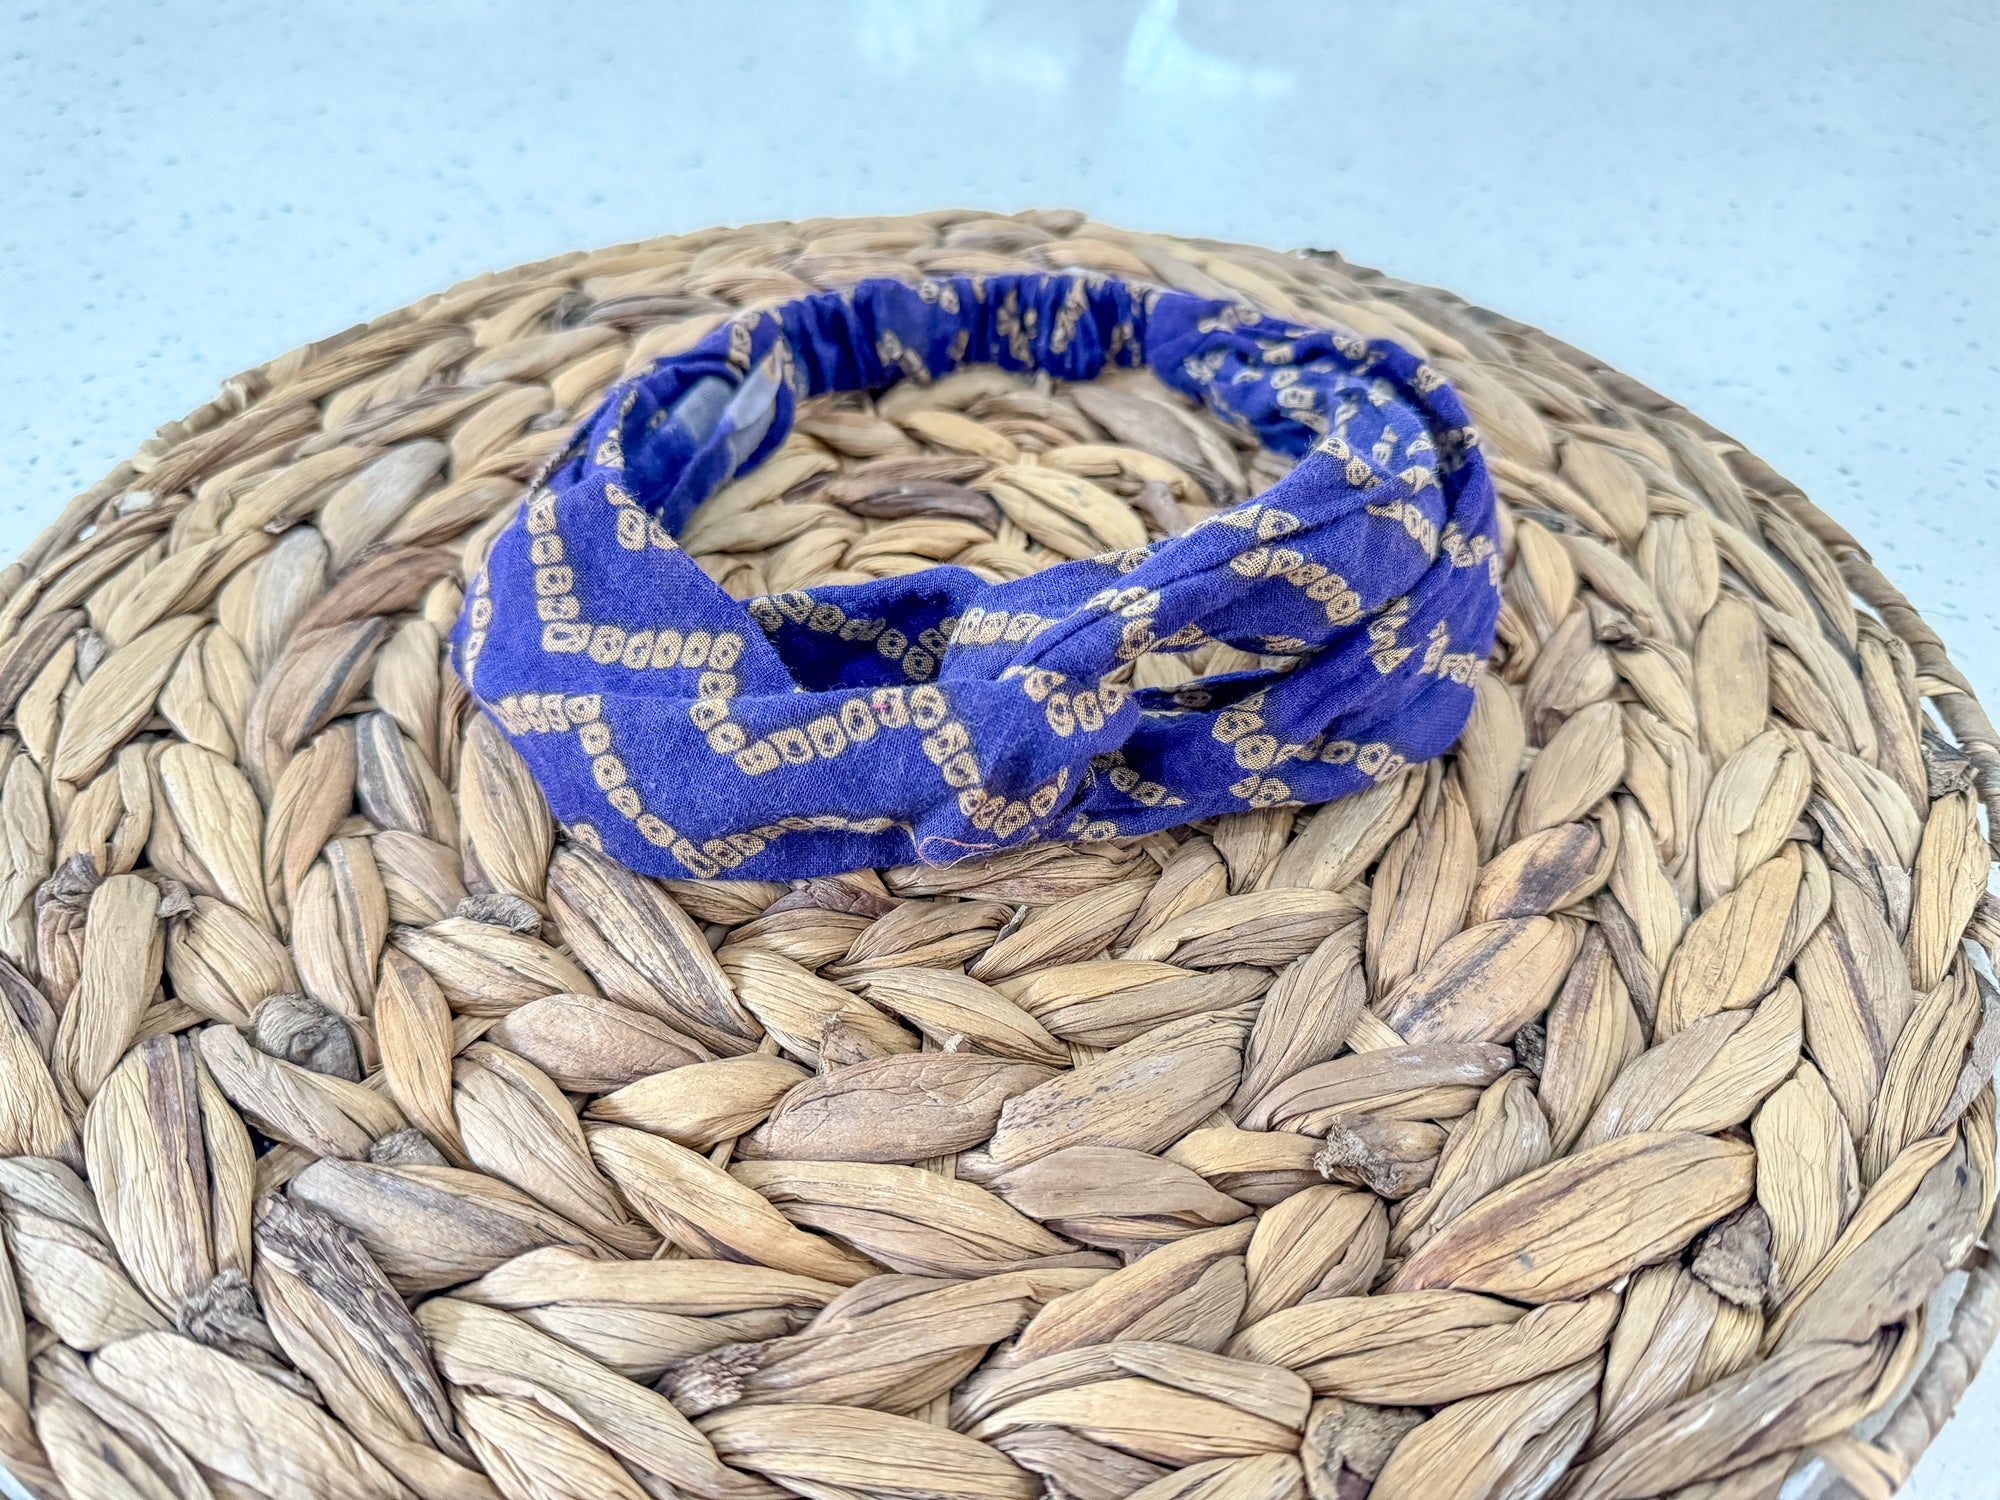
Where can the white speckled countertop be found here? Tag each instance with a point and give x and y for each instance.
(1783, 216)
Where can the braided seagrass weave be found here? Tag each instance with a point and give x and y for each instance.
(1594, 1112)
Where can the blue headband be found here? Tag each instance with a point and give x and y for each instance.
(937, 716)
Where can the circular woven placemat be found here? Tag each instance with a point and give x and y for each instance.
(1595, 1112)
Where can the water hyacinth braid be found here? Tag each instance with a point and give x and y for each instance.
(940, 715)
(1602, 1109)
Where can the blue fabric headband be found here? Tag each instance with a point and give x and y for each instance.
(937, 716)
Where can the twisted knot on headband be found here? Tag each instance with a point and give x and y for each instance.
(941, 715)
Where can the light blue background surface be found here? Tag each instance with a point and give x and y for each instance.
(1783, 215)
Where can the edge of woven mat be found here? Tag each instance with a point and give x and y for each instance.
(1914, 1422)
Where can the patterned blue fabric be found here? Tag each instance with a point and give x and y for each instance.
(937, 716)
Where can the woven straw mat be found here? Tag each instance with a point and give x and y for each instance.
(1593, 1113)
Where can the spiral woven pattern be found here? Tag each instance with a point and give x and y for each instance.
(1593, 1112)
